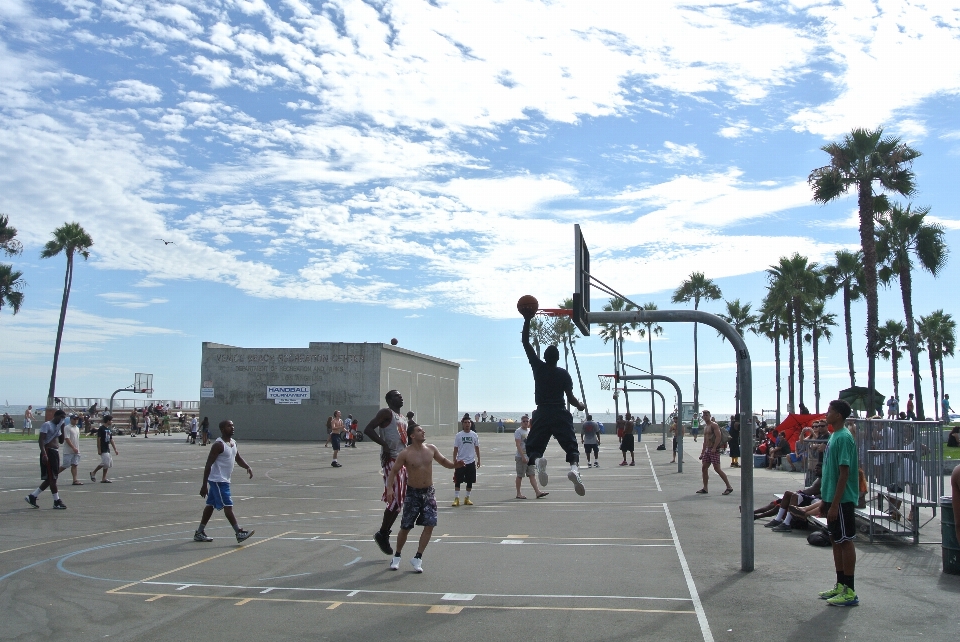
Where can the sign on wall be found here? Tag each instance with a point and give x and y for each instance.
(206, 393)
(288, 394)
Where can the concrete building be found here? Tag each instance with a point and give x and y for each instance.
(288, 393)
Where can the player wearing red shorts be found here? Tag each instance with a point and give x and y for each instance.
(389, 429)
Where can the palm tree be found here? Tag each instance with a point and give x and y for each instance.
(890, 345)
(819, 323)
(648, 331)
(862, 159)
(11, 284)
(8, 237)
(796, 282)
(770, 325)
(902, 235)
(71, 239)
(938, 330)
(846, 274)
(696, 287)
(738, 315)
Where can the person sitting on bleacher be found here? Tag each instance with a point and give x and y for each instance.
(780, 449)
(781, 507)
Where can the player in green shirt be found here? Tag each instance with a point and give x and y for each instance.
(840, 490)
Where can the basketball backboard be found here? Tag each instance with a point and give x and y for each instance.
(143, 383)
(581, 283)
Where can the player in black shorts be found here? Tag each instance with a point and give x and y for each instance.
(551, 384)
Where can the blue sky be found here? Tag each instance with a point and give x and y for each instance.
(357, 171)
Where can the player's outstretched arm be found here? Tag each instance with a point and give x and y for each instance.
(574, 401)
(525, 338)
(443, 461)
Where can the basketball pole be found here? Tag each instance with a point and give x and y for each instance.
(663, 409)
(745, 386)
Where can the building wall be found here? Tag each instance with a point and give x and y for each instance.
(349, 377)
(429, 387)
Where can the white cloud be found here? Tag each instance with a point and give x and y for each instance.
(130, 300)
(134, 91)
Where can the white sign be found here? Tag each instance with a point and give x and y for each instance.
(206, 393)
(288, 394)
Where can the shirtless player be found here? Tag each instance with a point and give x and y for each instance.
(711, 453)
(389, 429)
(420, 504)
(551, 384)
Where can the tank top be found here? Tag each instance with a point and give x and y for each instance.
(223, 465)
(395, 434)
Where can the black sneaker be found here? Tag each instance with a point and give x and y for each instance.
(336, 464)
(59, 505)
(383, 541)
(200, 536)
(30, 499)
(243, 535)
(772, 523)
(783, 528)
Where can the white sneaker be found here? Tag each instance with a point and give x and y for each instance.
(596, 464)
(541, 467)
(395, 563)
(417, 564)
(574, 476)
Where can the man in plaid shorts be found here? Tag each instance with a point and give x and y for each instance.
(710, 455)
(389, 429)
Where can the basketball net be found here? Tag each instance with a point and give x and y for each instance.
(605, 382)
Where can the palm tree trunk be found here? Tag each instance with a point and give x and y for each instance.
(653, 402)
(816, 369)
(849, 331)
(869, 245)
(933, 379)
(906, 288)
(791, 380)
(895, 358)
(623, 371)
(799, 324)
(583, 394)
(566, 361)
(67, 283)
(943, 388)
(696, 366)
(776, 360)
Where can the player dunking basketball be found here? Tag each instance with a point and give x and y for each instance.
(551, 416)
(389, 429)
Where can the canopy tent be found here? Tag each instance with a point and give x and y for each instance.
(794, 424)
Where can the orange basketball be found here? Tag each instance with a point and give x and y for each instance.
(528, 305)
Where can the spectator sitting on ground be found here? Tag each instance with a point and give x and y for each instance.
(953, 439)
(782, 523)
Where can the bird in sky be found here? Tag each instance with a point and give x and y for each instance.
(166, 242)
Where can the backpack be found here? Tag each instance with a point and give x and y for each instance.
(819, 537)
(724, 439)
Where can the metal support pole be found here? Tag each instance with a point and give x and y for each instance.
(115, 392)
(679, 401)
(745, 386)
(663, 410)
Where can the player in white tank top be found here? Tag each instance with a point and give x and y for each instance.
(216, 482)
(389, 429)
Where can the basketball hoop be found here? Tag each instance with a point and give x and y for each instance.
(606, 382)
(555, 312)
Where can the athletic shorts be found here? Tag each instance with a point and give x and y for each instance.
(710, 456)
(594, 448)
(466, 475)
(72, 459)
(626, 445)
(335, 440)
(218, 495)
(106, 460)
(805, 500)
(695, 431)
(419, 508)
(674, 445)
(844, 528)
(51, 468)
(399, 487)
(524, 470)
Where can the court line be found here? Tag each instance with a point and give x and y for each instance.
(659, 490)
(697, 605)
(230, 552)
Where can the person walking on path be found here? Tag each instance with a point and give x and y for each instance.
(710, 455)
(466, 448)
(389, 429)
(104, 441)
(911, 408)
(551, 418)
(626, 444)
(335, 423)
(71, 449)
(205, 431)
(49, 442)
(840, 490)
(945, 408)
(676, 428)
(194, 429)
(134, 421)
(524, 469)
(420, 503)
(735, 441)
(590, 440)
(216, 483)
(27, 420)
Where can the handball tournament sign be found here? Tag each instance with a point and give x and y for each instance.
(288, 394)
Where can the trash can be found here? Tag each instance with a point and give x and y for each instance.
(759, 460)
(948, 528)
